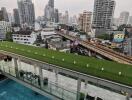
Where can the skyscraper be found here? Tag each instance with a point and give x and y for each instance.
(85, 21)
(11, 19)
(16, 16)
(130, 20)
(123, 18)
(61, 20)
(26, 12)
(103, 14)
(56, 15)
(74, 21)
(80, 21)
(1, 15)
(66, 18)
(49, 11)
(4, 14)
(51, 3)
(115, 21)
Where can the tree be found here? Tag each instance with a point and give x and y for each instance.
(82, 33)
(121, 27)
(104, 36)
(39, 40)
(70, 28)
(111, 37)
(46, 44)
(9, 36)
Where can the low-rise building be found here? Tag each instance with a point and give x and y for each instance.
(128, 47)
(129, 32)
(119, 36)
(54, 41)
(4, 28)
(58, 44)
(25, 37)
(47, 33)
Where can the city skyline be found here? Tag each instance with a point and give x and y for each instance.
(73, 9)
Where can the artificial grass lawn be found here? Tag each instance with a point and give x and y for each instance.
(86, 65)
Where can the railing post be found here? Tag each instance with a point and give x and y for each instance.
(78, 88)
(16, 67)
(35, 68)
(89, 53)
(41, 77)
(19, 63)
(56, 77)
(85, 87)
(128, 96)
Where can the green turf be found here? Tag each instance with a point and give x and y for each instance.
(87, 65)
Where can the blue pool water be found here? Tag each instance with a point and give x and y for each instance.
(10, 90)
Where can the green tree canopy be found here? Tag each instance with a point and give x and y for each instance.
(121, 27)
(104, 36)
(39, 40)
(9, 36)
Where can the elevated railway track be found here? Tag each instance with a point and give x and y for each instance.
(106, 52)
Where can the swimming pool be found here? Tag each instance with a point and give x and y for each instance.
(10, 90)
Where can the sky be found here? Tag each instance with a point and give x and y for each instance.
(73, 6)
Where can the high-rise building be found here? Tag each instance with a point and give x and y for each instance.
(80, 21)
(49, 11)
(1, 15)
(123, 18)
(130, 20)
(26, 12)
(66, 18)
(4, 14)
(102, 15)
(16, 16)
(85, 21)
(115, 21)
(51, 3)
(11, 19)
(60, 18)
(56, 15)
(4, 28)
(73, 20)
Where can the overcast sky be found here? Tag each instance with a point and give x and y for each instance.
(73, 6)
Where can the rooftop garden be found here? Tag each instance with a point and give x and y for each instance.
(109, 70)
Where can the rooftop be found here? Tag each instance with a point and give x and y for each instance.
(23, 32)
(48, 33)
(113, 71)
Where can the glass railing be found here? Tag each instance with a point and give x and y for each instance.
(32, 79)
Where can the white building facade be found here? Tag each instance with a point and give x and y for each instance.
(130, 20)
(124, 16)
(4, 28)
(27, 39)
